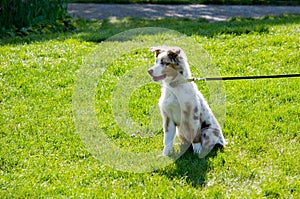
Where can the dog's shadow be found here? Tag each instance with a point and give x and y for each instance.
(191, 168)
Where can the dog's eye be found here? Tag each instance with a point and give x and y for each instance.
(165, 63)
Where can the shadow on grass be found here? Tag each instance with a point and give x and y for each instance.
(191, 168)
(100, 30)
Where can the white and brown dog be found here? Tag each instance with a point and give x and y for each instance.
(183, 108)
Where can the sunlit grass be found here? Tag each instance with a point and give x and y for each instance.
(41, 154)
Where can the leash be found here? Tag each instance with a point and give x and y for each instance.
(242, 77)
(173, 84)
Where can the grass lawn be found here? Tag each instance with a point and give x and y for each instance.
(42, 153)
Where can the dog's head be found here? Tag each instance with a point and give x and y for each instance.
(169, 62)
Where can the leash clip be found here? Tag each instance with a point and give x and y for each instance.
(196, 79)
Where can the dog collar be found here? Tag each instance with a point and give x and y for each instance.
(183, 81)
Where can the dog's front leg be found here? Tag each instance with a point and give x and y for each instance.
(169, 134)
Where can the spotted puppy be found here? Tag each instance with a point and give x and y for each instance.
(183, 108)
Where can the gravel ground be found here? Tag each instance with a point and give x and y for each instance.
(213, 13)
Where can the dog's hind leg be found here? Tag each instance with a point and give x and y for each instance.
(209, 138)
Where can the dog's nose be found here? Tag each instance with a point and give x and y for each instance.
(150, 71)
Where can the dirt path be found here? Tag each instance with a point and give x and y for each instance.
(212, 13)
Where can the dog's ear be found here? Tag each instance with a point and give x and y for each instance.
(173, 54)
(156, 50)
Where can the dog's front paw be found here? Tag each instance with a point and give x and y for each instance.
(197, 148)
(166, 151)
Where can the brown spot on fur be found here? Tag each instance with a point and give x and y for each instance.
(173, 54)
(156, 50)
(196, 115)
(170, 72)
(216, 132)
(188, 110)
(196, 109)
(172, 66)
(187, 115)
(167, 123)
(197, 138)
(183, 139)
(187, 126)
(187, 130)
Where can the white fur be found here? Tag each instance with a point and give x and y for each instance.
(183, 108)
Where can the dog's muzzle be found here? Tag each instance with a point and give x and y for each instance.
(156, 78)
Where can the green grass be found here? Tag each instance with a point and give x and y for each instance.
(43, 155)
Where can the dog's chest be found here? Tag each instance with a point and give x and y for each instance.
(170, 105)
